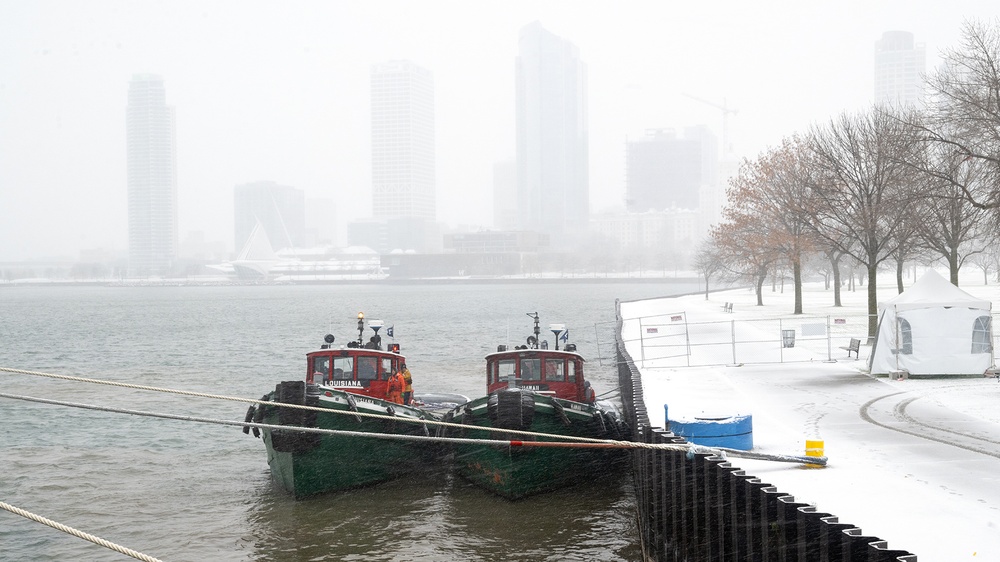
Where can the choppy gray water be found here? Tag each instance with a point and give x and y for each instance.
(187, 491)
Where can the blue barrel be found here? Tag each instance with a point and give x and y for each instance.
(731, 432)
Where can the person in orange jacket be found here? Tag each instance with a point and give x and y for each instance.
(394, 392)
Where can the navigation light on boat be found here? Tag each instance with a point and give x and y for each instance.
(570, 347)
(545, 344)
(394, 347)
(501, 347)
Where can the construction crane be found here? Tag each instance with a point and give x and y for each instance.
(726, 113)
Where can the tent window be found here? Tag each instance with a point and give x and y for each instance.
(905, 337)
(981, 335)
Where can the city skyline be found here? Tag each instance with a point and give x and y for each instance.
(279, 93)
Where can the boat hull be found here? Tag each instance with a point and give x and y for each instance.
(514, 471)
(307, 464)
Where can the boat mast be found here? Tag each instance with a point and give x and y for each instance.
(538, 331)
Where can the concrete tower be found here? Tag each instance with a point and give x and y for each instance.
(899, 69)
(152, 178)
(402, 101)
(552, 136)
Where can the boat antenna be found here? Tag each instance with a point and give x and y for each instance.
(361, 329)
(534, 341)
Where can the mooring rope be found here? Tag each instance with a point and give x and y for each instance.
(284, 405)
(583, 443)
(77, 533)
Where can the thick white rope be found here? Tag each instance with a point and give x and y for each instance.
(77, 533)
(284, 405)
(580, 443)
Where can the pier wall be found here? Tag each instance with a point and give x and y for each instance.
(695, 507)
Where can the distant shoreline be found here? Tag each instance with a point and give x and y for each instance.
(387, 281)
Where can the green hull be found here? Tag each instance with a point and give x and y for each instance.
(307, 464)
(517, 471)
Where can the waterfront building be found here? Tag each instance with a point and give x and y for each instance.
(280, 210)
(900, 64)
(552, 136)
(670, 169)
(403, 153)
(151, 155)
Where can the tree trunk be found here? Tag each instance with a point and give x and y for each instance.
(797, 276)
(953, 266)
(760, 288)
(872, 303)
(899, 276)
(836, 281)
(706, 286)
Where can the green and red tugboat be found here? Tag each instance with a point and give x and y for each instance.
(535, 389)
(349, 382)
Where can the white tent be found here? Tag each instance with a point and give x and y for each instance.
(933, 328)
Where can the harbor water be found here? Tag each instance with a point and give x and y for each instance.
(180, 490)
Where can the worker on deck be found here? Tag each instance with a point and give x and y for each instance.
(407, 385)
(394, 391)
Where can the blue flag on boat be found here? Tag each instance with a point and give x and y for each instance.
(565, 336)
(389, 331)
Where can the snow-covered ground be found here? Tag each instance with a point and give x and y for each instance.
(915, 462)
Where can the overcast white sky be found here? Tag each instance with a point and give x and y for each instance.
(279, 91)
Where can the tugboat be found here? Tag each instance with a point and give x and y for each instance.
(349, 382)
(532, 388)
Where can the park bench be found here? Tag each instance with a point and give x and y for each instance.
(728, 307)
(854, 347)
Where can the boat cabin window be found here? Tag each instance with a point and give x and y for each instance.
(366, 368)
(321, 370)
(555, 370)
(343, 368)
(504, 369)
(531, 369)
(574, 366)
(386, 367)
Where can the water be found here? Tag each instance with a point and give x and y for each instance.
(186, 491)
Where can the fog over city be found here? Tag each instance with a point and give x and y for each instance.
(280, 91)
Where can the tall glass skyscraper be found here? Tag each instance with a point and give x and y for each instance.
(899, 68)
(553, 188)
(152, 178)
(403, 167)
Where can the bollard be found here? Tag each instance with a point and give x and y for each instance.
(814, 448)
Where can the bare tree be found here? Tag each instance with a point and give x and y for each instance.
(947, 222)
(964, 116)
(708, 261)
(771, 193)
(859, 197)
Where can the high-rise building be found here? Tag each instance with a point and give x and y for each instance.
(899, 69)
(667, 170)
(151, 155)
(279, 209)
(552, 135)
(403, 167)
(505, 195)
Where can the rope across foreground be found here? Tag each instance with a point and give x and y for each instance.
(581, 443)
(77, 533)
